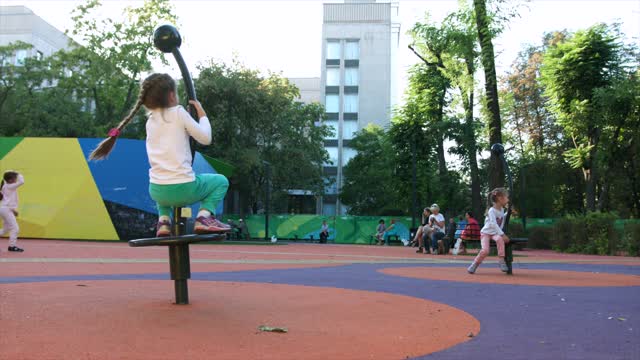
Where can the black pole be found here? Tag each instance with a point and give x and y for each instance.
(267, 199)
(498, 150)
(413, 185)
(167, 39)
(522, 207)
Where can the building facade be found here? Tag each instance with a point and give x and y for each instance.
(18, 23)
(359, 43)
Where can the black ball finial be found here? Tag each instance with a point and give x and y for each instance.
(497, 149)
(166, 38)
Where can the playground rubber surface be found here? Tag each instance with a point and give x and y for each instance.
(92, 300)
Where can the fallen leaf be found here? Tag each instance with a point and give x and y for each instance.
(470, 335)
(81, 285)
(272, 329)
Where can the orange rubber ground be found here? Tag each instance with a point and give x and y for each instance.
(135, 320)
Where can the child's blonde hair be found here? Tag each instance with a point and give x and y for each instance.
(493, 197)
(154, 94)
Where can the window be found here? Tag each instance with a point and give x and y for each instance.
(349, 128)
(352, 50)
(333, 50)
(333, 126)
(333, 156)
(351, 76)
(350, 103)
(331, 185)
(333, 77)
(20, 56)
(347, 154)
(332, 103)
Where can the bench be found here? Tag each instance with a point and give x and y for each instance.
(391, 238)
(508, 249)
(179, 262)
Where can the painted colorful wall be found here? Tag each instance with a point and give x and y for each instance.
(342, 229)
(67, 197)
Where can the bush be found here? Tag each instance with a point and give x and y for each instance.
(631, 238)
(516, 230)
(562, 234)
(540, 238)
(592, 233)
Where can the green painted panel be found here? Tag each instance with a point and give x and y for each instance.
(7, 144)
(220, 166)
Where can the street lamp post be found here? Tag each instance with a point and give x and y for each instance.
(267, 201)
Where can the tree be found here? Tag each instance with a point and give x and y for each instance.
(257, 118)
(368, 187)
(485, 37)
(110, 58)
(576, 74)
(453, 50)
(29, 103)
(87, 89)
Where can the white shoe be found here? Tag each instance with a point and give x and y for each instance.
(503, 266)
(472, 268)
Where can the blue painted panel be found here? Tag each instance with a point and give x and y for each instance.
(123, 178)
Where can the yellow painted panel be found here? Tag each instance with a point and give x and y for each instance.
(59, 194)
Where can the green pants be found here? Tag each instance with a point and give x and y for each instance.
(208, 189)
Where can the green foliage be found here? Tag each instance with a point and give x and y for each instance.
(82, 91)
(631, 239)
(540, 238)
(581, 75)
(369, 186)
(256, 118)
(592, 233)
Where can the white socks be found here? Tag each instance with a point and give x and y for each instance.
(204, 213)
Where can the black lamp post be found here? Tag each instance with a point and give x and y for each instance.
(267, 201)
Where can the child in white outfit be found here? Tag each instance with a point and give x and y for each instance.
(492, 230)
(11, 181)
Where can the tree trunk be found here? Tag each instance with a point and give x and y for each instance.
(470, 144)
(590, 170)
(496, 172)
(442, 163)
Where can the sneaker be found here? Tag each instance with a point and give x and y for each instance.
(15, 248)
(209, 224)
(503, 266)
(419, 250)
(472, 268)
(163, 228)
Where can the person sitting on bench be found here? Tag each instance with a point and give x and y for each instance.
(447, 242)
(437, 221)
(324, 232)
(470, 232)
(391, 231)
(380, 231)
(424, 222)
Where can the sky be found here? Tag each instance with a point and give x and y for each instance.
(285, 36)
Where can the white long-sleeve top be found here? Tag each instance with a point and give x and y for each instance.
(168, 148)
(10, 193)
(493, 222)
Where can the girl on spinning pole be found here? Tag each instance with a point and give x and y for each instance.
(172, 181)
(492, 230)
